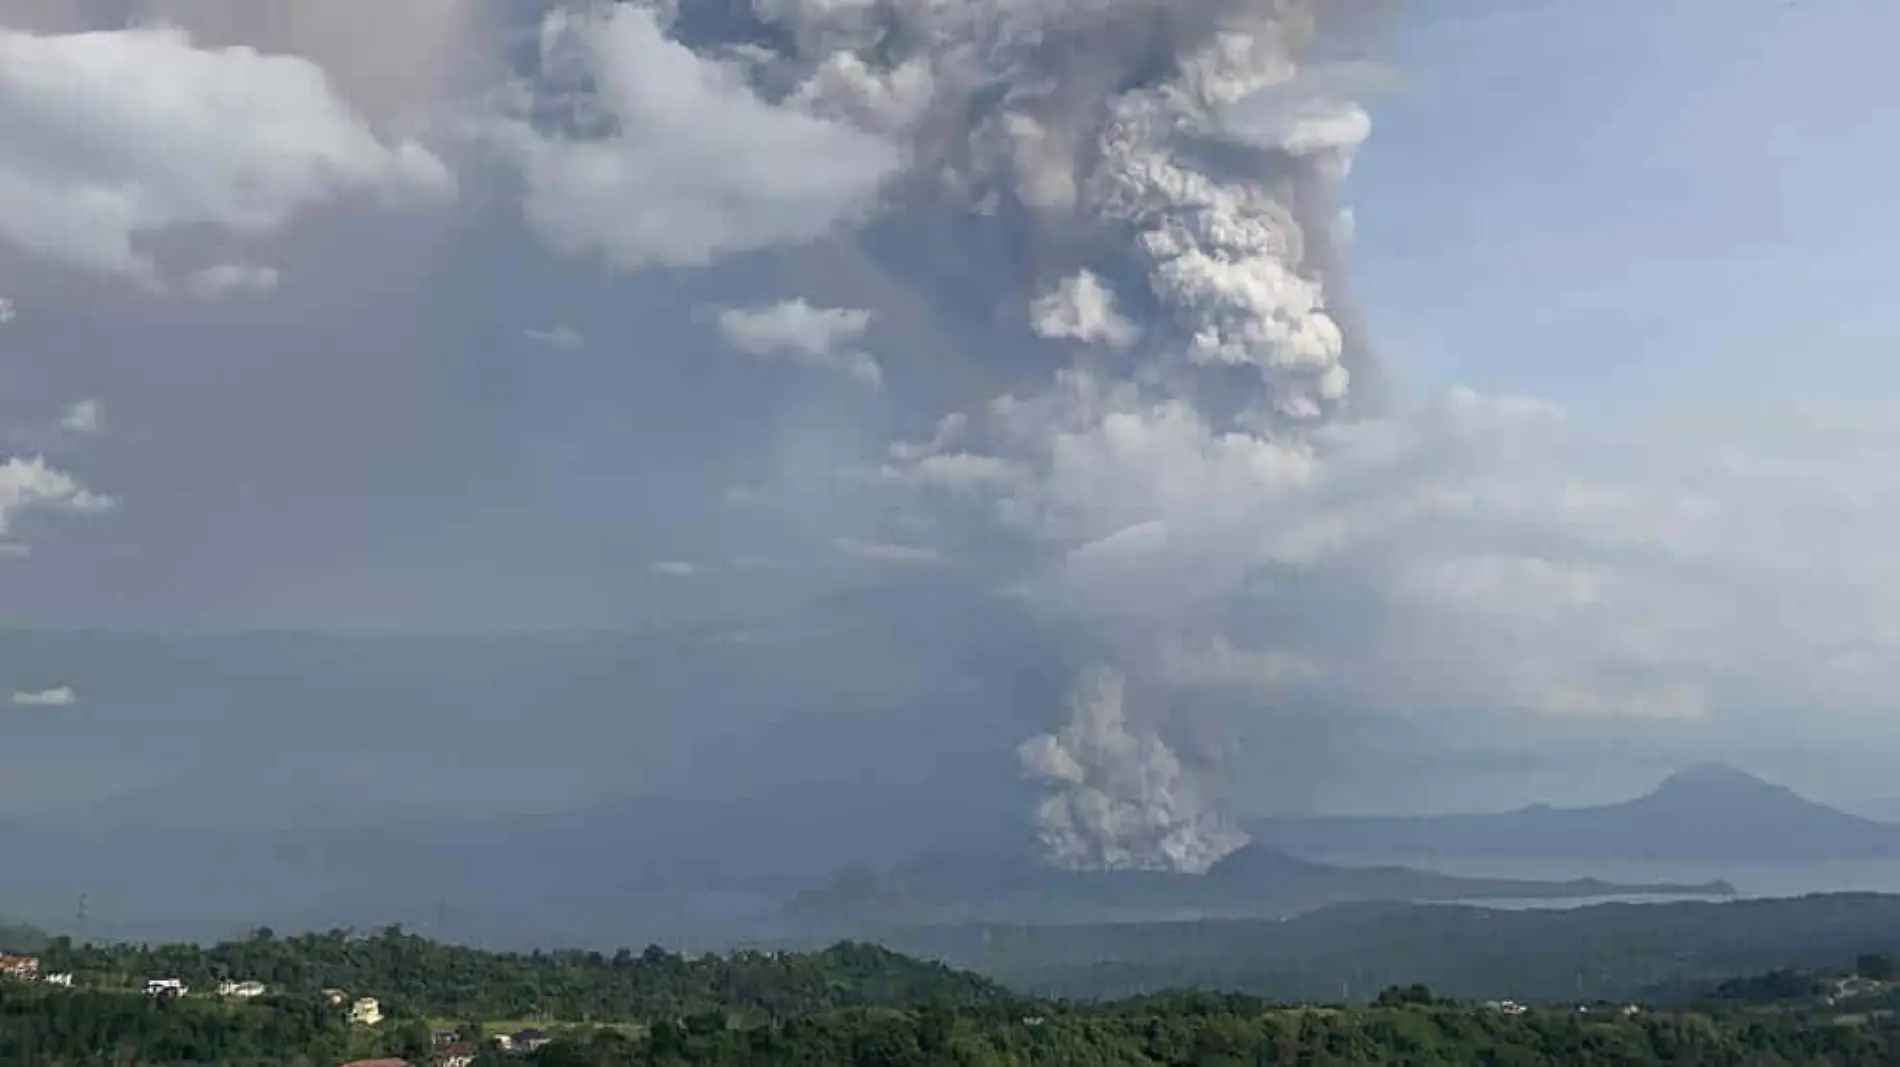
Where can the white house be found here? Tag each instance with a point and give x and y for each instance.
(64, 978)
(241, 990)
(366, 1012)
(165, 987)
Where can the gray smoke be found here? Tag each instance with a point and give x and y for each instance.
(1170, 157)
(1122, 799)
(1174, 143)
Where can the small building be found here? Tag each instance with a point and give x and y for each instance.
(444, 1038)
(366, 1012)
(1508, 1007)
(64, 978)
(528, 1040)
(20, 968)
(240, 990)
(456, 1056)
(1856, 986)
(166, 988)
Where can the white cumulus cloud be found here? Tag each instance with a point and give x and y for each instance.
(698, 165)
(888, 554)
(115, 136)
(64, 696)
(562, 337)
(798, 331)
(224, 279)
(84, 416)
(33, 483)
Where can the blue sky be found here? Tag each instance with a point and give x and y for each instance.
(1638, 206)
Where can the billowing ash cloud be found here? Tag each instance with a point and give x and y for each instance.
(1170, 154)
(1166, 170)
(1121, 798)
(1171, 145)
(1082, 309)
(1162, 155)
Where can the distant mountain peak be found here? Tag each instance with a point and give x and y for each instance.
(1714, 773)
(1710, 812)
(1262, 861)
(1715, 780)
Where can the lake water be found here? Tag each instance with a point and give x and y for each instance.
(1749, 880)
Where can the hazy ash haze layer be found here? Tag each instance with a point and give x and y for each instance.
(1067, 409)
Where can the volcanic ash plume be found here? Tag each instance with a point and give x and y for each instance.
(1122, 800)
(1170, 144)
(1168, 173)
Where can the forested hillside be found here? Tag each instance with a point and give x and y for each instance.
(1217, 1031)
(417, 976)
(54, 1028)
(1610, 950)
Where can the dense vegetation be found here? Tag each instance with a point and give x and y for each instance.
(856, 1004)
(50, 1028)
(45, 1026)
(1214, 1031)
(415, 976)
(1667, 952)
(1868, 986)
